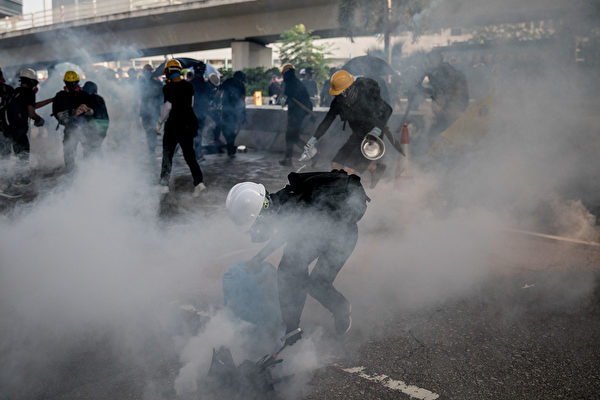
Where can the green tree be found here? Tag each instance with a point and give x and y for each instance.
(381, 16)
(298, 48)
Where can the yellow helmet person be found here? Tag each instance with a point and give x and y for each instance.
(340, 81)
(171, 67)
(71, 76)
(286, 67)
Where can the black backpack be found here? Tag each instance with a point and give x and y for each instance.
(339, 195)
(7, 95)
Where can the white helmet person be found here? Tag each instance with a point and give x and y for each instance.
(245, 202)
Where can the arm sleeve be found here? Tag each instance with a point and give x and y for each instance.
(328, 120)
(385, 111)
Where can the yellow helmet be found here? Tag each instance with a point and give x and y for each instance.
(286, 67)
(340, 81)
(172, 65)
(71, 76)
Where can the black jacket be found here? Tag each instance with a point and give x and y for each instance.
(295, 90)
(64, 106)
(362, 107)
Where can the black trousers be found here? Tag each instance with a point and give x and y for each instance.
(18, 140)
(295, 282)
(231, 122)
(292, 133)
(185, 139)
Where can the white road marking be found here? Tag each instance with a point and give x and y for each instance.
(386, 381)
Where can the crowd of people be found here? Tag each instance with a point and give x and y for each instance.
(299, 217)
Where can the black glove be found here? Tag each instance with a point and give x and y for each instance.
(39, 122)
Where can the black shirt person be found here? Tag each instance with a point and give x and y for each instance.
(357, 102)
(98, 124)
(72, 108)
(314, 217)
(150, 104)
(181, 126)
(233, 109)
(298, 102)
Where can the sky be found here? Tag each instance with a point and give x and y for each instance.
(31, 6)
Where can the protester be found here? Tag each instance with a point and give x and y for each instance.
(449, 95)
(233, 109)
(151, 95)
(309, 83)
(19, 107)
(315, 217)
(202, 94)
(98, 124)
(6, 92)
(181, 126)
(274, 90)
(299, 105)
(72, 108)
(358, 102)
(325, 97)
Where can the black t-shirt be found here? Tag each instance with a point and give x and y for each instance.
(151, 92)
(234, 94)
(180, 95)
(69, 101)
(18, 112)
(362, 107)
(202, 94)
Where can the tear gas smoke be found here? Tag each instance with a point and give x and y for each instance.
(89, 268)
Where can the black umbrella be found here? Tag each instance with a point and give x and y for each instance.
(185, 63)
(374, 68)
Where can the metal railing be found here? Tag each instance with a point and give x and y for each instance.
(76, 12)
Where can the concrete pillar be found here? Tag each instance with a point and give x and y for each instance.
(250, 55)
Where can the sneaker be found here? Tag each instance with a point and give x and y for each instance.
(343, 321)
(9, 193)
(163, 189)
(22, 182)
(199, 189)
(286, 162)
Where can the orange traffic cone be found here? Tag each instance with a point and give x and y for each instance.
(403, 166)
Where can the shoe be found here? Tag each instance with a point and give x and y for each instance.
(199, 188)
(163, 189)
(9, 193)
(286, 162)
(343, 321)
(376, 175)
(23, 182)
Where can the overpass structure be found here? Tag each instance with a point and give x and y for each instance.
(118, 29)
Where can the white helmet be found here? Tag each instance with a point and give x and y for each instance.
(28, 73)
(244, 202)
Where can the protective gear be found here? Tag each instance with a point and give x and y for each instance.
(171, 67)
(29, 74)
(286, 67)
(309, 149)
(199, 68)
(340, 81)
(214, 79)
(245, 201)
(372, 146)
(39, 122)
(71, 76)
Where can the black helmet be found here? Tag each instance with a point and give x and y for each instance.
(90, 87)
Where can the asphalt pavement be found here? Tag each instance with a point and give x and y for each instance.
(527, 328)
